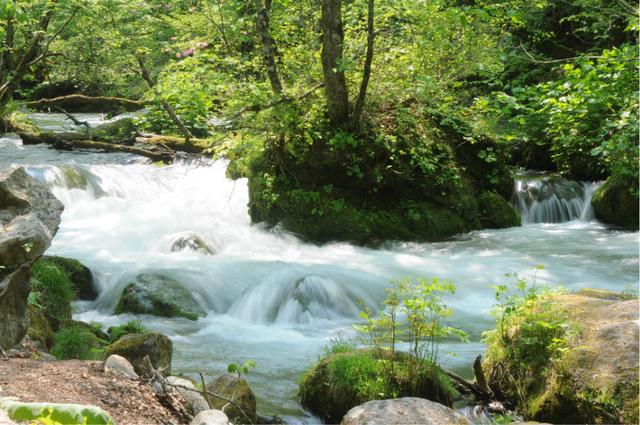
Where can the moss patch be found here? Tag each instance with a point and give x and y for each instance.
(79, 275)
(495, 211)
(135, 347)
(614, 203)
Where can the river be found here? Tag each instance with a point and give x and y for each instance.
(274, 299)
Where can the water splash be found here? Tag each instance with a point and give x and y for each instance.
(553, 199)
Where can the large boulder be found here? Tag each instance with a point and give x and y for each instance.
(614, 203)
(159, 295)
(29, 218)
(135, 347)
(407, 410)
(237, 389)
(79, 275)
(595, 379)
(194, 398)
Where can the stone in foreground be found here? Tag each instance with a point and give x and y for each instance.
(403, 411)
(210, 417)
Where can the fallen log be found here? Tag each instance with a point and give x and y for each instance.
(76, 140)
(82, 103)
(176, 143)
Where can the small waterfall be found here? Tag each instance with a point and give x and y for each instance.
(553, 199)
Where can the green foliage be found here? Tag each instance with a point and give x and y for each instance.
(55, 413)
(414, 313)
(530, 335)
(242, 369)
(77, 342)
(131, 327)
(51, 289)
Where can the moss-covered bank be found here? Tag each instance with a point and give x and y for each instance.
(586, 359)
(413, 175)
(616, 203)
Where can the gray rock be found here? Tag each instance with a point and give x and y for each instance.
(210, 417)
(193, 242)
(194, 398)
(408, 410)
(120, 365)
(29, 218)
(159, 295)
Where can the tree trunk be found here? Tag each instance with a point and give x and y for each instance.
(268, 45)
(170, 111)
(366, 74)
(336, 93)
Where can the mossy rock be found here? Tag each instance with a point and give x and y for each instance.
(321, 217)
(495, 212)
(596, 379)
(79, 275)
(39, 330)
(52, 292)
(341, 381)
(237, 389)
(134, 347)
(159, 295)
(614, 203)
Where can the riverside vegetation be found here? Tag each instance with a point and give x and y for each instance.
(362, 121)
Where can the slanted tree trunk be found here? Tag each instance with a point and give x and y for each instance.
(366, 74)
(268, 45)
(170, 111)
(335, 87)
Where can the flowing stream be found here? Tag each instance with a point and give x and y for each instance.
(274, 299)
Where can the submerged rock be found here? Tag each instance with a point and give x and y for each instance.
(29, 216)
(159, 295)
(135, 347)
(237, 389)
(407, 410)
(613, 203)
(192, 242)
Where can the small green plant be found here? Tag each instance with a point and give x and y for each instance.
(242, 369)
(338, 344)
(131, 327)
(530, 334)
(414, 313)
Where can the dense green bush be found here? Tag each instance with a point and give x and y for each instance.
(77, 342)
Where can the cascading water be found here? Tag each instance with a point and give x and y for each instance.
(552, 199)
(268, 296)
